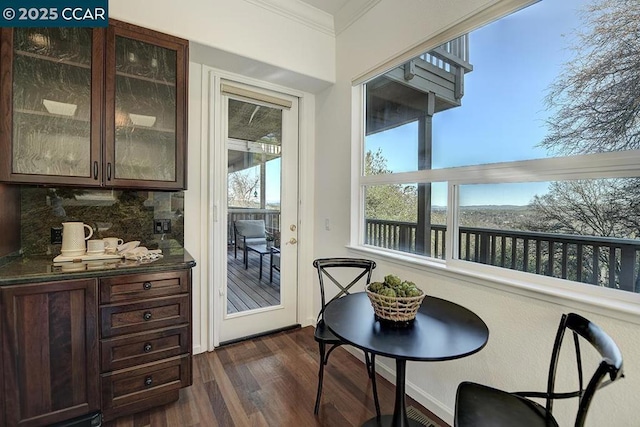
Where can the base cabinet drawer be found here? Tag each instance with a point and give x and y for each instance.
(145, 347)
(143, 286)
(150, 314)
(145, 386)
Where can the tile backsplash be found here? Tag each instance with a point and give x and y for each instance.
(127, 214)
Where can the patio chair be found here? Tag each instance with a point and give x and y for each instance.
(360, 271)
(479, 405)
(248, 232)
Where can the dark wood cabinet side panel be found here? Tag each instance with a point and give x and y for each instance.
(51, 362)
(9, 219)
(6, 102)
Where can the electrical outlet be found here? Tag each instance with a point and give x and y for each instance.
(161, 226)
(56, 235)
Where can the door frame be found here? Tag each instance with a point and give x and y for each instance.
(213, 203)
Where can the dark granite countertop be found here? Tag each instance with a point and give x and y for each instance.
(22, 270)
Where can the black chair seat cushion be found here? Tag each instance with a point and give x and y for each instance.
(478, 405)
(322, 333)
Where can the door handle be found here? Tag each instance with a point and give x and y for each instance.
(292, 241)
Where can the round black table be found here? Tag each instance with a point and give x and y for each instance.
(441, 330)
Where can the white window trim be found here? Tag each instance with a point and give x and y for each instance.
(613, 303)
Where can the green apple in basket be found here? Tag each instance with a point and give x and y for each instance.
(393, 286)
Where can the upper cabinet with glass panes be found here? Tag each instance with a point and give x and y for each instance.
(93, 107)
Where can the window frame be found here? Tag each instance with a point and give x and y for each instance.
(617, 164)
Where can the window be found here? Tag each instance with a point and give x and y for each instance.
(524, 158)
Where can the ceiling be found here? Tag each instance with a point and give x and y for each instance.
(329, 6)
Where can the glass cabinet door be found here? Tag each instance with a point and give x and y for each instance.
(145, 120)
(53, 123)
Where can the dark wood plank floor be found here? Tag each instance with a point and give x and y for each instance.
(245, 290)
(271, 381)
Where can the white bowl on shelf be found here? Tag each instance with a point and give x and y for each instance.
(142, 120)
(60, 108)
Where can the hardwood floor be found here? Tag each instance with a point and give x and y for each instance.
(245, 289)
(271, 381)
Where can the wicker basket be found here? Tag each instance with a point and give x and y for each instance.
(395, 309)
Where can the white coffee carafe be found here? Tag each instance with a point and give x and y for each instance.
(73, 238)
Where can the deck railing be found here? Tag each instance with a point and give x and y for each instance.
(451, 55)
(601, 261)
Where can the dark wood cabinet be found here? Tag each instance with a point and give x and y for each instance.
(50, 351)
(93, 107)
(119, 344)
(145, 340)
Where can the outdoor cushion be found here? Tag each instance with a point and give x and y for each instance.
(251, 228)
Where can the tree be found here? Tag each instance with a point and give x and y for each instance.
(597, 109)
(587, 207)
(392, 201)
(597, 98)
(243, 187)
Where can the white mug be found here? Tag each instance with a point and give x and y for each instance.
(111, 244)
(95, 247)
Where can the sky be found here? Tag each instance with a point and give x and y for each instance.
(502, 117)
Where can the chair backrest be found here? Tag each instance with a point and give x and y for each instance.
(357, 269)
(609, 369)
(250, 228)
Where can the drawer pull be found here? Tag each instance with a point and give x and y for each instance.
(147, 347)
(146, 286)
(148, 381)
(146, 315)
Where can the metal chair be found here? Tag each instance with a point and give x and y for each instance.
(479, 405)
(274, 262)
(360, 270)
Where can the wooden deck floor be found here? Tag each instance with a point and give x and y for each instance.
(245, 291)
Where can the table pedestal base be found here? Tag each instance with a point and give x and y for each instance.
(386, 421)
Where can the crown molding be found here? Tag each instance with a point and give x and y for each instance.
(300, 12)
(351, 12)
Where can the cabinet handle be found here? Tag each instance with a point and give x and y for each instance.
(147, 347)
(148, 381)
(146, 315)
(109, 171)
(95, 170)
(146, 286)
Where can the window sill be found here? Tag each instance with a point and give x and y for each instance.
(598, 300)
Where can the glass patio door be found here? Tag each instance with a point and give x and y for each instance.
(261, 134)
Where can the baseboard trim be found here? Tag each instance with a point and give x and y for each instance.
(261, 334)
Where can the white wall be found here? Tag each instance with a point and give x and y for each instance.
(522, 327)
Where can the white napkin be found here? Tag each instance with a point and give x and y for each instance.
(132, 251)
